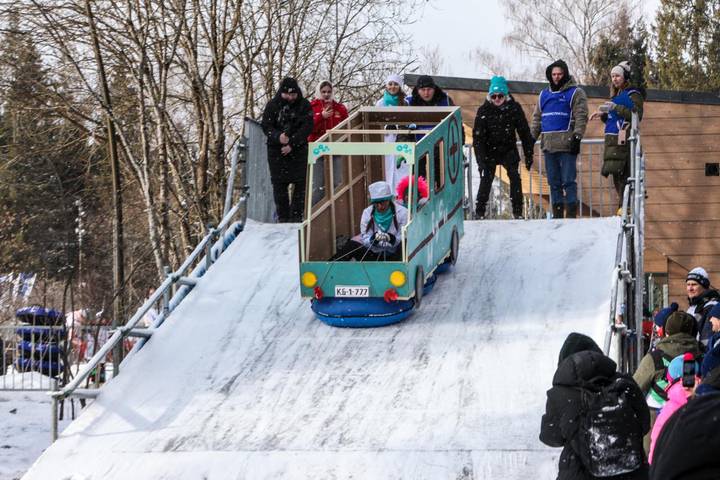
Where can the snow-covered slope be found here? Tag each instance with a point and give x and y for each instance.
(243, 383)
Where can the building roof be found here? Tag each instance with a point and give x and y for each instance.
(482, 84)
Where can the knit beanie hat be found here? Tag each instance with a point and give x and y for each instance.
(680, 322)
(498, 85)
(699, 275)
(662, 316)
(622, 69)
(675, 369)
(394, 77)
(425, 81)
(289, 85)
(577, 342)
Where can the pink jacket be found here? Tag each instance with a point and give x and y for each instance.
(677, 397)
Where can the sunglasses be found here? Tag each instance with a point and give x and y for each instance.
(496, 96)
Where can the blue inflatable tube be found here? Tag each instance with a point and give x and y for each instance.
(39, 315)
(365, 312)
(361, 312)
(51, 369)
(34, 333)
(429, 284)
(41, 349)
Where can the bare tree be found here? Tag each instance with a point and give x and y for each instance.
(431, 61)
(182, 73)
(567, 29)
(489, 64)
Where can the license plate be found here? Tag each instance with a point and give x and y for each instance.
(352, 291)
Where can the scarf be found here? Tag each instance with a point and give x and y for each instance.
(383, 219)
(389, 99)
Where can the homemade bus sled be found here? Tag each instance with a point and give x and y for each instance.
(341, 165)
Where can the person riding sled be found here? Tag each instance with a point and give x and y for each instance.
(380, 228)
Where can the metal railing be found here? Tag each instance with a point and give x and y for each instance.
(36, 357)
(596, 194)
(624, 333)
(169, 295)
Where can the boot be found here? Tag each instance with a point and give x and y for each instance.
(558, 210)
(571, 210)
(479, 212)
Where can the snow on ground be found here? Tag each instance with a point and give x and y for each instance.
(24, 424)
(243, 382)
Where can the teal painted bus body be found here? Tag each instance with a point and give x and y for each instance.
(427, 238)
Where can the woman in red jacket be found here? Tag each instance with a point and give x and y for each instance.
(326, 112)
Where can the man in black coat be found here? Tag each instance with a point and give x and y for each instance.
(582, 364)
(688, 446)
(287, 121)
(496, 122)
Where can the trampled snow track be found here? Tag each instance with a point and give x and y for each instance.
(242, 382)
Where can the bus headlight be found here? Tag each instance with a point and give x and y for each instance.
(397, 278)
(309, 279)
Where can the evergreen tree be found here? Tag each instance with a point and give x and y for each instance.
(625, 42)
(686, 43)
(41, 166)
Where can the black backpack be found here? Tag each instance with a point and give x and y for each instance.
(609, 439)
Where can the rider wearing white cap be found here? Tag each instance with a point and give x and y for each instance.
(380, 228)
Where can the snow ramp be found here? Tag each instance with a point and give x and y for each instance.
(242, 382)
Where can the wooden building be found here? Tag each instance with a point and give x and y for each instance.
(680, 135)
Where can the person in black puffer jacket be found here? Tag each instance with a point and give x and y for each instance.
(582, 364)
(287, 121)
(688, 444)
(496, 122)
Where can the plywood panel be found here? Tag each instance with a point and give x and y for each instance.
(674, 246)
(698, 196)
(680, 161)
(688, 212)
(708, 262)
(681, 229)
(681, 178)
(692, 126)
(654, 261)
(321, 240)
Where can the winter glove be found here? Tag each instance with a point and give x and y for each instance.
(528, 160)
(391, 238)
(575, 144)
(380, 237)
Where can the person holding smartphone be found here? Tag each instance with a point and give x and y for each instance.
(327, 113)
(616, 114)
(683, 375)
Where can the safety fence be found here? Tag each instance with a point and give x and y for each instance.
(40, 357)
(596, 194)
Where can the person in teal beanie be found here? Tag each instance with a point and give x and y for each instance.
(494, 136)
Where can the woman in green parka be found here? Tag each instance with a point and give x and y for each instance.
(616, 114)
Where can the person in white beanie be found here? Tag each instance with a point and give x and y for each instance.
(381, 226)
(616, 114)
(701, 299)
(393, 96)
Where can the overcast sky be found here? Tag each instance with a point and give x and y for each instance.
(456, 27)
